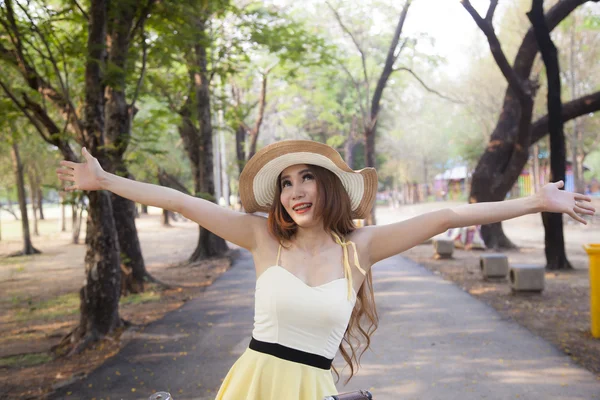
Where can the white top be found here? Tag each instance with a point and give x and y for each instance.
(291, 313)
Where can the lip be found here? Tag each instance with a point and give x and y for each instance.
(303, 210)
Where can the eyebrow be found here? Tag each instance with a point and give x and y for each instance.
(299, 173)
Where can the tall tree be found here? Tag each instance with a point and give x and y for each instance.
(556, 257)
(28, 248)
(41, 57)
(186, 67)
(205, 48)
(370, 103)
(46, 49)
(508, 149)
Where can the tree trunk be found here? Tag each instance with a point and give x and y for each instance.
(165, 218)
(499, 167)
(370, 162)
(577, 136)
(374, 109)
(240, 143)
(40, 199)
(536, 168)
(129, 244)
(99, 310)
(118, 116)
(74, 211)
(77, 209)
(350, 143)
(556, 257)
(33, 200)
(40, 192)
(198, 141)
(63, 214)
(99, 307)
(224, 177)
(28, 248)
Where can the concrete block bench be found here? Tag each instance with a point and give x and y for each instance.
(527, 277)
(443, 248)
(493, 265)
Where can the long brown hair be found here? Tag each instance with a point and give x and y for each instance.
(334, 207)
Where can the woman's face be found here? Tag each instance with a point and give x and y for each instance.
(299, 194)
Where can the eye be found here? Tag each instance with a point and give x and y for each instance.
(285, 183)
(308, 176)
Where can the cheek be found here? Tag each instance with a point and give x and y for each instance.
(283, 198)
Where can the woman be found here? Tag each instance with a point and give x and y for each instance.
(314, 285)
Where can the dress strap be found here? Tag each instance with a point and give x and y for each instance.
(278, 254)
(347, 268)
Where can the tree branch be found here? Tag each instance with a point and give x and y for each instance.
(359, 92)
(490, 12)
(487, 28)
(33, 79)
(427, 87)
(81, 9)
(388, 68)
(573, 109)
(528, 49)
(142, 19)
(142, 72)
(260, 115)
(71, 111)
(402, 46)
(362, 53)
(33, 121)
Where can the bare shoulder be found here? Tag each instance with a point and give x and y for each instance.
(362, 238)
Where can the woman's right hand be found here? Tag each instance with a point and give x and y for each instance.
(85, 176)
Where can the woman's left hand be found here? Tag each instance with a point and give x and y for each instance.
(552, 199)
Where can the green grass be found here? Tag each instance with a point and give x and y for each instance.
(11, 261)
(140, 298)
(25, 360)
(23, 336)
(65, 305)
(60, 306)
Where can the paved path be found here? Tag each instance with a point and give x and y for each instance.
(434, 342)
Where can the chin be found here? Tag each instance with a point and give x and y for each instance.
(307, 222)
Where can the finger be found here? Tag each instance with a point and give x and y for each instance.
(578, 218)
(71, 188)
(587, 206)
(581, 197)
(66, 163)
(65, 171)
(86, 153)
(559, 184)
(581, 210)
(67, 178)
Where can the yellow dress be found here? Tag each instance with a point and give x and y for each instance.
(297, 331)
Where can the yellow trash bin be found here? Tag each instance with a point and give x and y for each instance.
(593, 251)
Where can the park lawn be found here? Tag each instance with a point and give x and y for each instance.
(39, 299)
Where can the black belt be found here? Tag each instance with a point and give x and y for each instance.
(287, 353)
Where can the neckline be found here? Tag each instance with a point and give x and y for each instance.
(301, 281)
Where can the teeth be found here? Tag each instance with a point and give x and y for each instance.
(302, 207)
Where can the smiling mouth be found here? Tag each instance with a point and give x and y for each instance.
(302, 208)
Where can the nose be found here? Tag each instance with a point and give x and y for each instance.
(298, 192)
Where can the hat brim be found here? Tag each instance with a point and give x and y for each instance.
(258, 180)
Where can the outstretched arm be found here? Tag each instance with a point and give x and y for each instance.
(386, 240)
(236, 227)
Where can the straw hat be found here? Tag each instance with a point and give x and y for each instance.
(258, 180)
